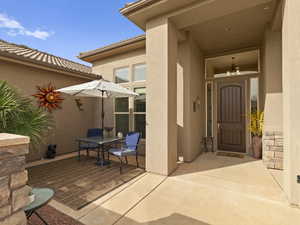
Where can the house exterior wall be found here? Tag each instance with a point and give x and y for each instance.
(273, 104)
(291, 94)
(70, 123)
(190, 86)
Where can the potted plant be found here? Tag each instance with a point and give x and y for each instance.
(256, 128)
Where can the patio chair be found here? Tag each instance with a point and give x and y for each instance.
(93, 132)
(128, 148)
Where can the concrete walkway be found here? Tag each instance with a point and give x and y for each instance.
(212, 190)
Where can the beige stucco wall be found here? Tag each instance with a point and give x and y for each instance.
(161, 52)
(291, 95)
(70, 123)
(191, 125)
(272, 67)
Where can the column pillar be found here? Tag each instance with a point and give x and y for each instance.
(161, 129)
(13, 179)
(291, 95)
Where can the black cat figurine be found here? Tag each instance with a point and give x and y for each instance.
(51, 152)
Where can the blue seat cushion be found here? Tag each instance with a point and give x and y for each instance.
(122, 152)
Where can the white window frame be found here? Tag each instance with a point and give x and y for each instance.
(129, 74)
(130, 85)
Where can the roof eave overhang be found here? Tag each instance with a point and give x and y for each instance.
(132, 10)
(136, 6)
(115, 49)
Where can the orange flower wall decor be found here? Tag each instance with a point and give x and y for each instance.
(49, 98)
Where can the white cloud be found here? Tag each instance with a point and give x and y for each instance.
(14, 28)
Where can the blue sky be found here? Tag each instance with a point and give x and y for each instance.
(65, 27)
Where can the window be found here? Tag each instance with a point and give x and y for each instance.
(121, 105)
(122, 123)
(130, 113)
(122, 115)
(140, 124)
(209, 110)
(254, 95)
(140, 101)
(122, 75)
(139, 72)
(140, 111)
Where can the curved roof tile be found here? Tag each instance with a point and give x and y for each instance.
(25, 53)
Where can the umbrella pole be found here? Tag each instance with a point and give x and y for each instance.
(102, 110)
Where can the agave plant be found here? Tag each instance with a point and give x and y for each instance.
(18, 115)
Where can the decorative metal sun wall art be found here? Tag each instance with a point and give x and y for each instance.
(49, 98)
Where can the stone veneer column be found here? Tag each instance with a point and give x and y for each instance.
(13, 179)
(273, 150)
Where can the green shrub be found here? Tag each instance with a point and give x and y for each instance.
(19, 115)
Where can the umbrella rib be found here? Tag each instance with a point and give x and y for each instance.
(78, 92)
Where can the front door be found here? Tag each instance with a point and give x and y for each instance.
(231, 117)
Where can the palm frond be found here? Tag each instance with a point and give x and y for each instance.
(19, 115)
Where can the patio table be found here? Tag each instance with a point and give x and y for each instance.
(100, 141)
(42, 197)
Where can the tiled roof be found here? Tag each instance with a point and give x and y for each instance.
(24, 53)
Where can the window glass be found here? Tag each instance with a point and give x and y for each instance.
(139, 72)
(122, 123)
(209, 110)
(122, 75)
(254, 94)
(121, 104)
(140, 124)
(140, 101)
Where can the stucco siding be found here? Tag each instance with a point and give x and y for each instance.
(191, 124)
(70, 123)
(273, 81)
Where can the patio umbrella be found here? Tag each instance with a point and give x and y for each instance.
(100, 89)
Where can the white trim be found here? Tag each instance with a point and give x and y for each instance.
(130, 85)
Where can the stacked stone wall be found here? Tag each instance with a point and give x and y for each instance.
(13, 179)
(273, 150)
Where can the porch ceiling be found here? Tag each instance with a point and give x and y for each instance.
(238, 30)
(242, 59)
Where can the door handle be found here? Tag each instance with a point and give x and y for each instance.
(219, 126)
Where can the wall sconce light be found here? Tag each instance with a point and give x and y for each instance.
(196, 103)
(79, 104)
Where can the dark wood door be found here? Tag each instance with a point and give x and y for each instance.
(231, 117)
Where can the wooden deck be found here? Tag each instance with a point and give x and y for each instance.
(78, 183)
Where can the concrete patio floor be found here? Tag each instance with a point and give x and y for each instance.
(212, 190)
